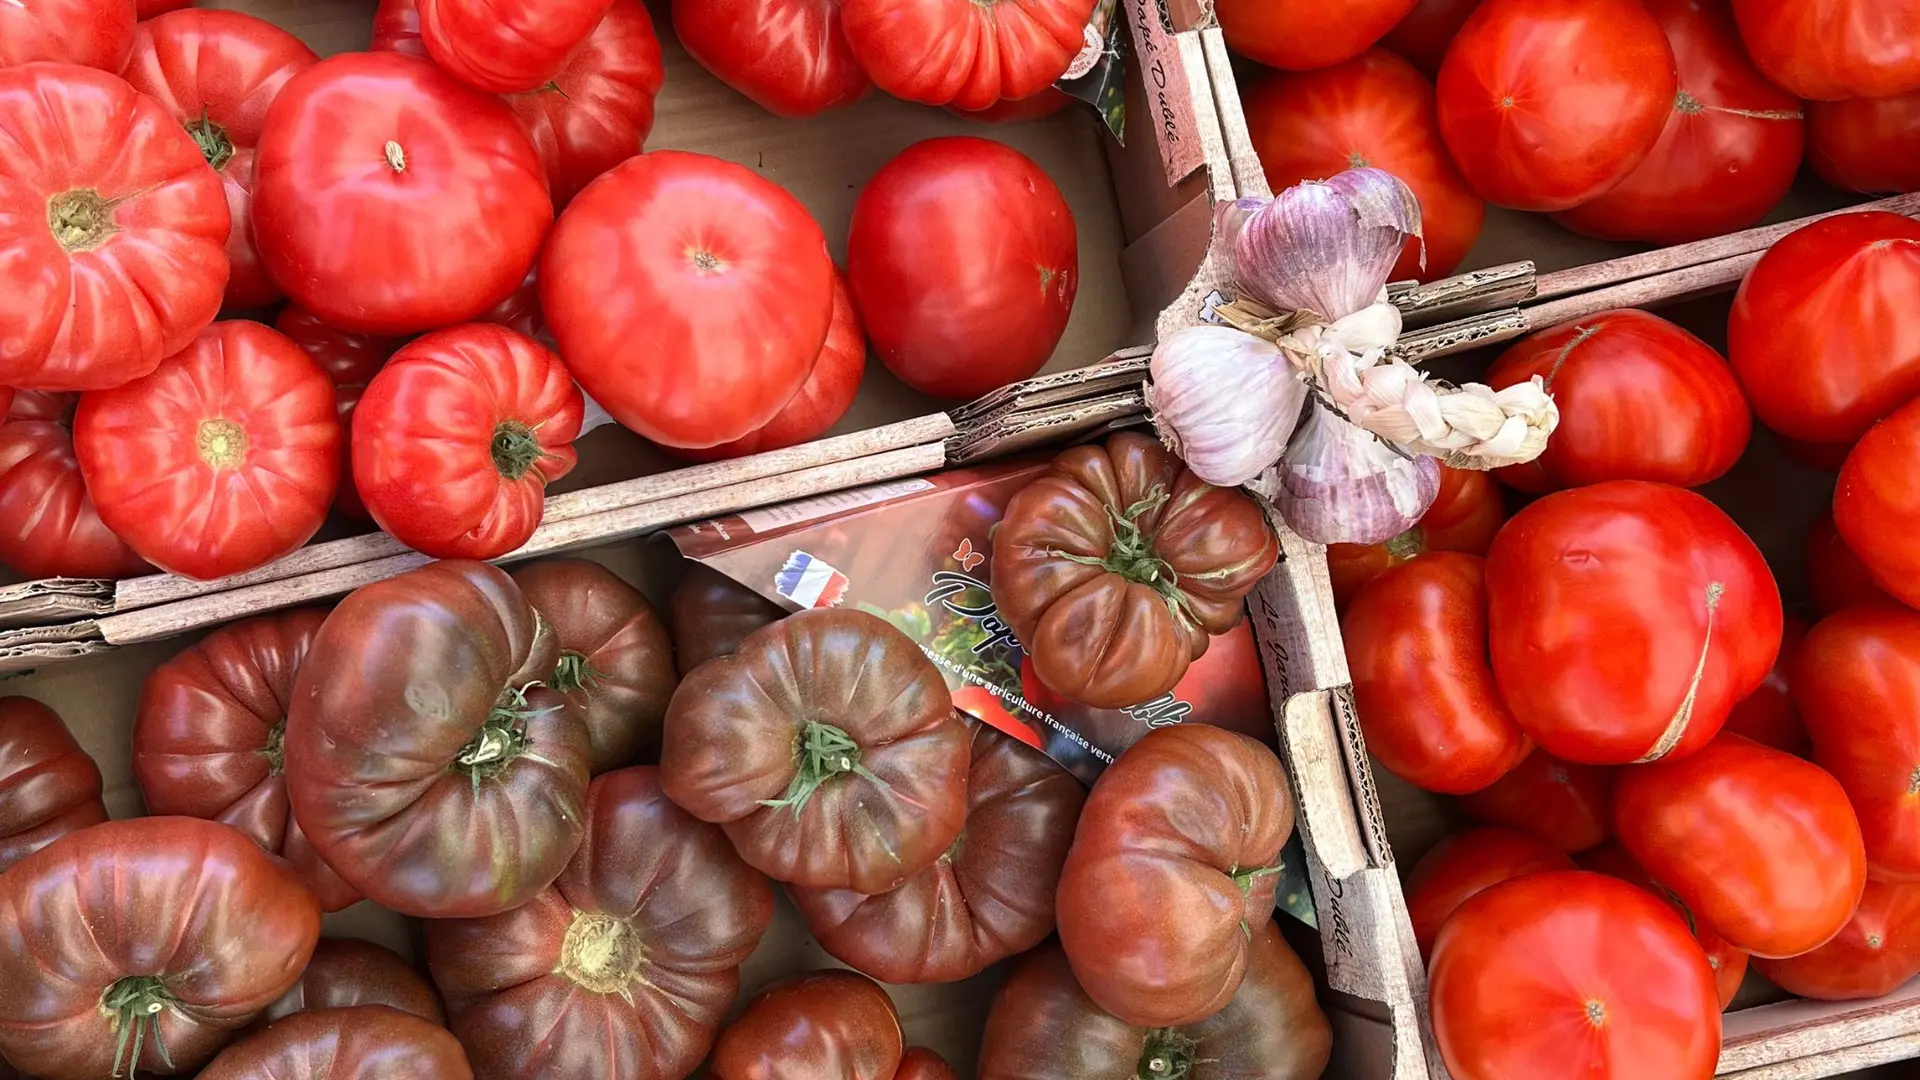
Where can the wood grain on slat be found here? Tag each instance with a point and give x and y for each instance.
(1800, 1029)
(1848, 1059)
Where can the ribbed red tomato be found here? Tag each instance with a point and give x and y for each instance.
(1835, 575)
(789, 56)
(1423, 36)
(1639, 398)
(1876, 506)
(223, 459)
(1626, 619)
(1728, 153)
(49, 787)
(48, 524)
(125, 262)
(1821, 334)
(1416, 641)
(1463, 517)
(351, 361)
(1373, 110)
(1877, 953)
(345, 972)
(1302, 37)
(365, 1042)
(94, 33)
(598, 110)
(216, 72)
(1533, 132)
(1767, 716)
(208, 737)
(1866, 144)
(1570, 806)
(1829, 49)
(1760, 844)
(827, 1025)
(957, 52)
(1572, 974)
(726, 293)
(506, 46)
(956, 302)
(1466, 864)
(1728, 962)
(396, 28)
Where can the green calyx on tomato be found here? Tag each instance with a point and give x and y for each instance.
(276, 750)
(212, 140)
(1169, 1054)
(1407, 544)
(515, 449)
(502, 739)
(80, 219)
(601, 954)
(135, 1004)
(1131, 555)
(823, 752)
(1245, 879)
(574, 673)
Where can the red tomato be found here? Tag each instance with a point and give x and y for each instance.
(1767, 716)
(1866, 144)
(789, 56)
(1531, 130)
(1728, 153)
(822, 400)
(1857, 682)
(1423, 36)
(1416, 639)
(1639, 398)
(598, 110)
(1466, 864)
(177, 928)
(1568, 805)
(48, 524)
(126, 264)
(1821, 334)
(1729, 963)
(1626, 619)
(1877, 953)
(1835, 576)
(1572, 974)
(506, 46)
(959, 53)
(94, 33)
(444, 229)
(1824, 50)
(358, 1043)
(1009, 111)
(1876, 506)
(396, 28)
(948, 294)
(207, 739)
(726, 294)
(224, 459)
(1760, 844)
(822, 1025)
(1304, 36)
(350, 360)
(149, 8)
(1463, 517)
(520, 312)
(457, 438)
(215, 72)
(49, 787)
(1374, 110)
(345, 972)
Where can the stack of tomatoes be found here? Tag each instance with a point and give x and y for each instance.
(1614, 687)
(1683, 119)
(444, 224)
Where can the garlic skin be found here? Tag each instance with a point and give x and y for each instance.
(1225, 402)
(1326, 247)
(1339, 484)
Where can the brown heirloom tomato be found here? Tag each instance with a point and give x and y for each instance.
(1115, 567)
(1568, 805)
(422, 760)
(626, 966)
(990, 896)
(1877, 952)
(345, 972)
(1728, 961)
(167, 934)
(49, 787)
(829, 1025)
(208, 739)
(920, 1063)
(616, 664)
(711, 614)
(1416, 638)
(366, 1042)
(828, 749)
(1175, 859)
(1043, 1026)
(1760, 844)
(1466, 864)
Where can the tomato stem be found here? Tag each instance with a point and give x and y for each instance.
(221, 442)
(573, 673)
(1407, 544)
(821, 752)
(212, 140)
(1132, 555)
(503, 739)
(515, 449)
(1245, 879)
(396, 156)
(276, 749)
(133, 1007)
(602, 954)
(1168, 1055)
(80, 219)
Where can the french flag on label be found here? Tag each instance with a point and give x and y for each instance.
(810, 582)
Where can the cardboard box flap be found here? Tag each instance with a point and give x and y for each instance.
(1049, 426)
(1123, 368)
(53, 600)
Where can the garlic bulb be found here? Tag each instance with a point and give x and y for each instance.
(1224, 401)
(1339, 484)
(1326, 247)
